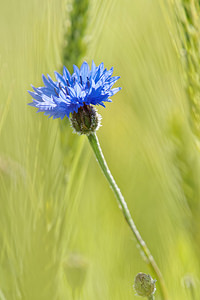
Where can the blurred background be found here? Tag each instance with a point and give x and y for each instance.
(62, 235)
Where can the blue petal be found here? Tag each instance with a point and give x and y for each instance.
(71, 92)
(34, 103)
(60, 78)
(110, 82)
(101, 67)
(66, 74)
(68, 92)
(46, 82)
(93, 70)
(98, 73)
(52, 82)
(108, 74)
(114, 91)
(36, 90)
(35, 96)
(76, 71)
(84, 71)
(77, 90)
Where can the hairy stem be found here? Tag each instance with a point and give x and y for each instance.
(124, 208)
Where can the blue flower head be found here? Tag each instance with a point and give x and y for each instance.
(69, 93)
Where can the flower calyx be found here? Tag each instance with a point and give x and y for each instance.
(86, 120)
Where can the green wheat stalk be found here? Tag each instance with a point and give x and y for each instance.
(188, 47)
(74, 49)
(188, 20)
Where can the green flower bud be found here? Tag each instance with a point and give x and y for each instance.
(86, 120)
(144, 285)
(75, 269)
(189, 283)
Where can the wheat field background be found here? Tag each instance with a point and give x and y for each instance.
(62, 235)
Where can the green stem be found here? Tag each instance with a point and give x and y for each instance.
(151, 297)
(124, 208)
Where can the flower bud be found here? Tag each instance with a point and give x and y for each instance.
(189, 282)
(86, 120)
(75, 269)
(144, 285)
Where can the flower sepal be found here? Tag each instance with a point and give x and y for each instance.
(86, 120)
